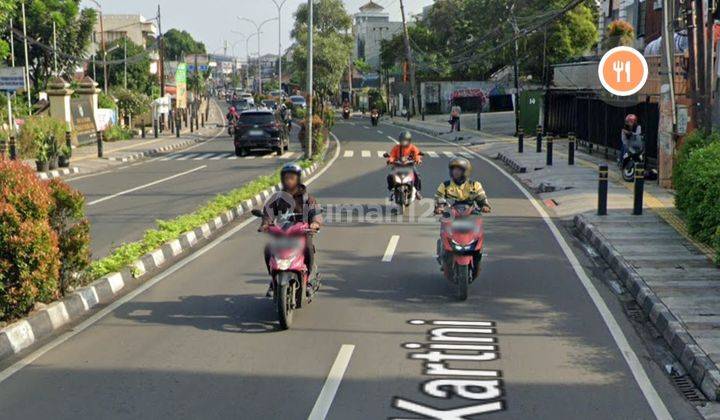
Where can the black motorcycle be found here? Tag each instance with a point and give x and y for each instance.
(634, 154)
(346, 113)
(374, 118)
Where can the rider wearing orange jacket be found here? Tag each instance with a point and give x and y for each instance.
(404, 151)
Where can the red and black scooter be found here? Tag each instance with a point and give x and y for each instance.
(460, 247)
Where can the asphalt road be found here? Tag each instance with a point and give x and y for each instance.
(202, 342)
(125, 202)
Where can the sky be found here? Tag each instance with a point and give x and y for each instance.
(213, 21)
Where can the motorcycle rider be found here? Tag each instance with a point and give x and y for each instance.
(405, 150)
(232, 115)
(629, 130)
(460, 188)
(293, 198)
(286, 115)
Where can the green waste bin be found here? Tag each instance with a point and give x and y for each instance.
(531, 110)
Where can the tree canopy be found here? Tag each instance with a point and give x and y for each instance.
(178, 44)
(138, 69)
(455, 41)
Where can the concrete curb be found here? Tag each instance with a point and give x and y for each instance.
(39, 325)
(419, 128)
(514, 165)
(153, 152)
(57, 173)
(702, 370)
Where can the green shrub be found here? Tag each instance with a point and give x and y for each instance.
(329, 118)
(697, 182)
(115, 133)
(41, 137)
(106, 101)
(29, 255)
(67, 218)
(299, 113)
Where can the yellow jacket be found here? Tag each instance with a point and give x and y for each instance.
(468, 191)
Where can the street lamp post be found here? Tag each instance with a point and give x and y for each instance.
(102, 45)
(257, 31)
(309, 116)
(279, 4)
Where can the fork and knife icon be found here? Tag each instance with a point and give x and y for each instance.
(619, 67)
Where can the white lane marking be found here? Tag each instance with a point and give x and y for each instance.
(188, 156)
(390, 250)
(159, 181)
(392, 139)
(250, 157)
(218, 156)
(380, 132)
(381, 153)
(432, 154)
(170, 157)
(203, 156)
(651, 396)
(366, 153)
(332, 383)
(287, 155)
(232, 157)
(270, 156)
(449, 154)
(349, 153)
(25, 361)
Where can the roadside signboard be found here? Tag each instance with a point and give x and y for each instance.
(12, 79)
(181, 84)
(84, 120)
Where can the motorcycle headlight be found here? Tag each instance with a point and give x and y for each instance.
(284, 264)
(398, 179)
(463, 248)
(407, 180)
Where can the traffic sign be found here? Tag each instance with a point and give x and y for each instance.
(12, 79)
(623, 71)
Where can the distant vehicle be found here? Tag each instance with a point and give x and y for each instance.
(260, 129)
(248, 96)
(270, 104)
(278, 95)
(241, 105)
(298, 101)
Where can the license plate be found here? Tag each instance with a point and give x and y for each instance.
(256, 133)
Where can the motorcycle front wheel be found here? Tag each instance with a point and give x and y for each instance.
(462, 275)
(285, 300)
(628, 170)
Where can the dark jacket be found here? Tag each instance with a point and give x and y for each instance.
(301, 203)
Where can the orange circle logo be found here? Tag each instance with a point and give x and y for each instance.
(623, 71)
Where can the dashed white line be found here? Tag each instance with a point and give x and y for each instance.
(432, 154)
(392, 139)
(380, 132)
(390, 250)
(381, 153)
(349, 153)
(366, 153)
(332, 383)
(449, 154)
(138, 188)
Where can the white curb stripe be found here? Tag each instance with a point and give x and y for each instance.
(176, 247)
(116, 282)
(158, 257)
(20, 335)
(58, 314)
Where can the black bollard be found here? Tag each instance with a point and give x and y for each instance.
(521, 140)
(3, 149)
(142, 128)
(99, 136)
(422, 113)
(178, 124)
(155, 128)
(639, 189)
(538, 143)
(13, 148)
(202, 120)
(571, 149)
(549, 158)
(602, 190)
(479, 121)
(68, 141)
(192, 124)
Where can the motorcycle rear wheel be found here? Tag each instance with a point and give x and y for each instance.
(285, 300)
(462, 275)
(628, 170)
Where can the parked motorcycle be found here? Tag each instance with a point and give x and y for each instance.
(290, 274)
(460, 247)
(374, 117)
(403, 176)
(634, 154)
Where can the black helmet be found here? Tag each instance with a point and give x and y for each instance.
(405, 136)
(291, 168)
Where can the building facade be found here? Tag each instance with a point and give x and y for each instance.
(372, 26)
(135, 28)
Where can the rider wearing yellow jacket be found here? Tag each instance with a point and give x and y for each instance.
(460, 188)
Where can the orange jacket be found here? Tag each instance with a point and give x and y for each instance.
(398, 152)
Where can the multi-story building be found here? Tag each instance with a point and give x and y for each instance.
(135, 28)
(372, 26)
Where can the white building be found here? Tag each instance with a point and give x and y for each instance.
(372, 25)
(116, 27)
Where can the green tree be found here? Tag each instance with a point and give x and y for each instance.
(138, 69)
(74, 34)
(178, 44)
(331, 50)
(6, 8)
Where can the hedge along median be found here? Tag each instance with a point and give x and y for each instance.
(697, 182)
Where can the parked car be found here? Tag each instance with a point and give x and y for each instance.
(260, 130)
(298, 101)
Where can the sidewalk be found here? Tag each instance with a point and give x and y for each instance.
(670, 276)
(85, 160)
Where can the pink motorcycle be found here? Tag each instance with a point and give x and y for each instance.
(460, 247)
(290, 273)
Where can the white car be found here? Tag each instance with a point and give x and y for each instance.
(298, 101)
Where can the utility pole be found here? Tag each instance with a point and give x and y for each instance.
(27, 59)
(708, 22)
(258, 29)
(409, 58)
(161, 53)
(125, 62)
(279, 4)
(697, 17)
(516, 69)
(309, 116)
(12, 44)
(667, 125)
(55, 47)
